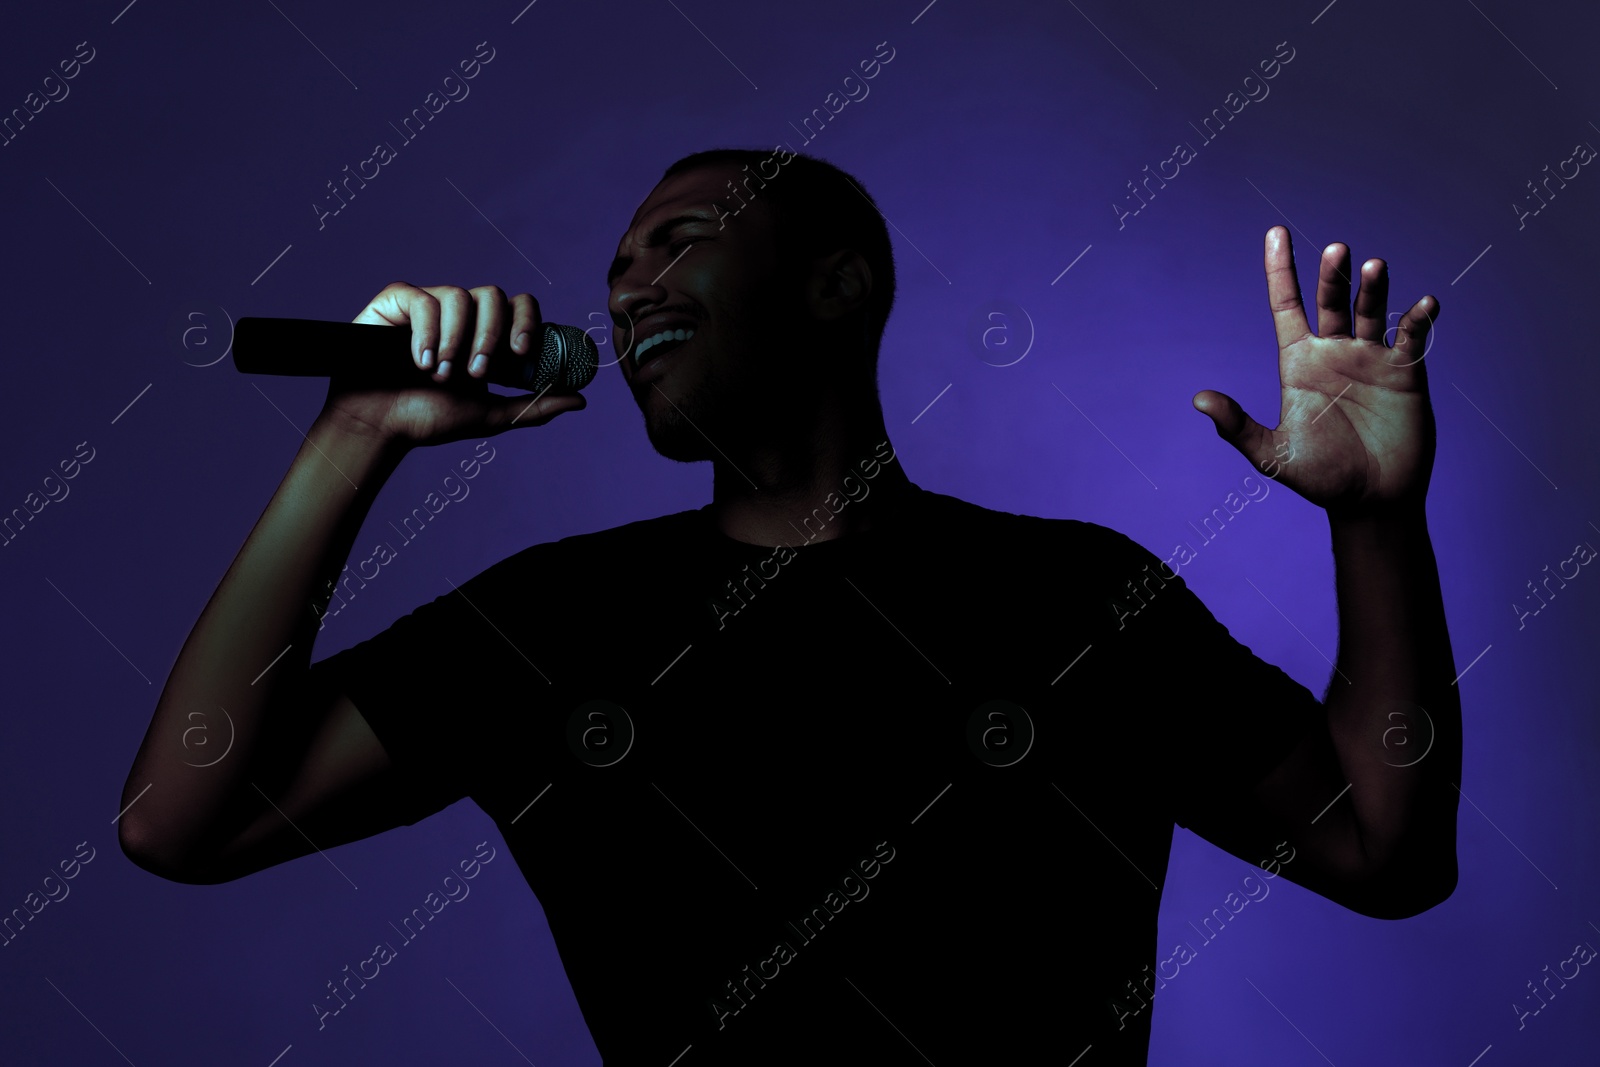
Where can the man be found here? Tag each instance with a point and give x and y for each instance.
(833, 769)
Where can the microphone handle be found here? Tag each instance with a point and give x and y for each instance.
(565, 360)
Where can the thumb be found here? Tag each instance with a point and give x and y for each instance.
(511, 412)
(1253, 440)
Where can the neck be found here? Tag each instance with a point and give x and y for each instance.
(833, 476)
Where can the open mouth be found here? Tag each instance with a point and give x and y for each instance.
(659, 343)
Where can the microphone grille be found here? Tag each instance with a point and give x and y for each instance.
(568, 360)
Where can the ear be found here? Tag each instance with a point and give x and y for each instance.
(840, 285)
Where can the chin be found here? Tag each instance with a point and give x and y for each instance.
(685, 447)
(677, 426)
(674, 438)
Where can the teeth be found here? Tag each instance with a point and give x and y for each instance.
(657, 338)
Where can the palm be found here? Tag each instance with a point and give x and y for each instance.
(432, 413)
(1355, 429)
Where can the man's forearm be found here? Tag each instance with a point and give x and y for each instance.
(260, 615)
(1393, 698)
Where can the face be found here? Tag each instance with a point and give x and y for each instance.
(680, 269)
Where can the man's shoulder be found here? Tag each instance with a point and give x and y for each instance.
(964, 515)
(936, 517)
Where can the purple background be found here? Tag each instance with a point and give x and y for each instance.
(996, 141)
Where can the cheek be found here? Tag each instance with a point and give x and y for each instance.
(755, 319)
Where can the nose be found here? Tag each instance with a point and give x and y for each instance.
(631, 300)
(630, 294)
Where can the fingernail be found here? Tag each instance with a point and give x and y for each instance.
(444, 368)
(427, 358)
(479, 362)
(522, 340)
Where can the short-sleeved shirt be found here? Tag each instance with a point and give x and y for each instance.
(899, 796)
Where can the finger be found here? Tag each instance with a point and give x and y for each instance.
(393, 306)
(1283, 289)
(1333, 292)
(525, 323)
(491, 326)
(516, 411)
(455, 319)
(422, 311)
(1411, 339)
(1372, 302)
(1252, 439)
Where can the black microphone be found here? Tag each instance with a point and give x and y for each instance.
(565, 361)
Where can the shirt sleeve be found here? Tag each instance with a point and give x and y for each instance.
(1226, 717)
(428, 684)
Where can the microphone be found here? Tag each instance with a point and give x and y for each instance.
(564, 361)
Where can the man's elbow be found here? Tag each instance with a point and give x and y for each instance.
(145, 851)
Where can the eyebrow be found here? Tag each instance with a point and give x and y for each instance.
(657, 236)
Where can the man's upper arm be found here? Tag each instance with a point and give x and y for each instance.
(1248, 748)
(374, 736)
(329, 781)
(1232, 723)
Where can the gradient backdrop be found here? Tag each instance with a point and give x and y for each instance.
(172, 187)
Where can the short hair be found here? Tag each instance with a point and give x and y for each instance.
(820, 209)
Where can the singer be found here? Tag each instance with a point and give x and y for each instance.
(926, 679)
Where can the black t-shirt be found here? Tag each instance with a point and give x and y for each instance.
(899, 796)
